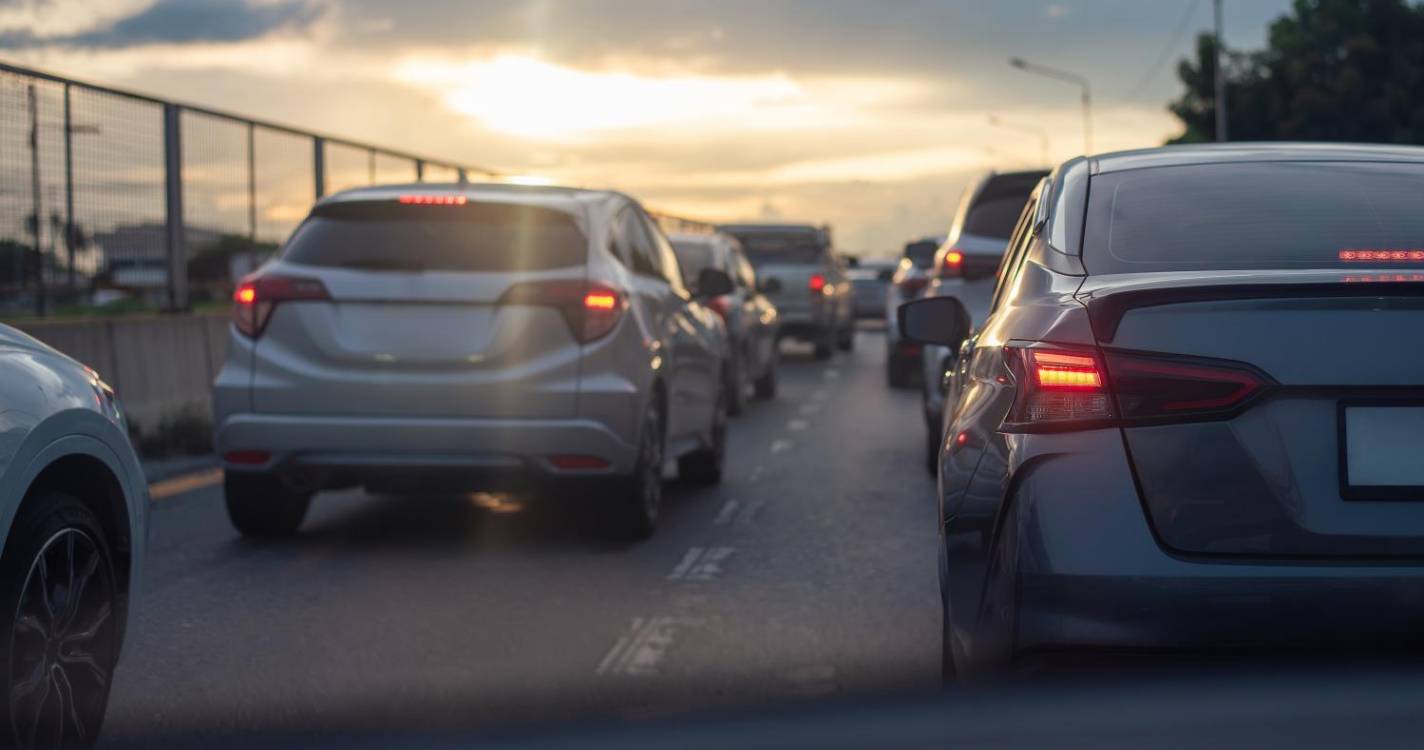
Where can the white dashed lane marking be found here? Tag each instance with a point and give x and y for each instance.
(727, 513)
(701, 564)
(797, 425)
(778, 446)
(738, 512)
(639, 651)
(809, 409)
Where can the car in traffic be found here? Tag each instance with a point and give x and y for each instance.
(870, 282)
(965, 267)
(1189, 421)
(469, 337)
(912, 274)
(73, 525)
(812, 296)
(750, 317)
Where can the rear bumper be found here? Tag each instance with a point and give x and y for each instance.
(328, 451)
(1091, 574)
(804, 328)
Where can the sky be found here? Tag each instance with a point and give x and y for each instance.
(869, 116)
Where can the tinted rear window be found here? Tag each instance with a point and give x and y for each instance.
(921, 253)
(997, 207)
(793, 249)
(692, 257)
(472, 237)
(1255, 216)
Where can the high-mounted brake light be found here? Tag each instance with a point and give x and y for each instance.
(1378, 255)
(591, 310)
(257, 296)
(433, 200)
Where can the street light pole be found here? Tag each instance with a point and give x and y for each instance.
(1068, 77)
(1026, 128)
(1220, 77)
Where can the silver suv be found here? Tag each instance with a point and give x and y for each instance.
(452, 338)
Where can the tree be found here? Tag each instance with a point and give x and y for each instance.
(1333, 70)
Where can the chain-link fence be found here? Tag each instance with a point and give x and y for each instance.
(111, 200)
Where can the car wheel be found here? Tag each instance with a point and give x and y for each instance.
(260, 506)
(637, 498)
(705, 466)
(932, 446)
(737, 384)
(766, 384)
(62, 638)
(896, 375)
(825, 343)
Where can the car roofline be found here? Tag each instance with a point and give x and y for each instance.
(1227, 153)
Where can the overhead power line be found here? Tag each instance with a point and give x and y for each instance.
(1167, 51)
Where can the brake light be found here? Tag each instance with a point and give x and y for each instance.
(257, 296)
(1068, 389)
(953, 265)
(1152, 387)
(433, 200)
(816, 283)
(590, 309)
(1057, 389)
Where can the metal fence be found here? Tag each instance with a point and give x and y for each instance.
(114, 199)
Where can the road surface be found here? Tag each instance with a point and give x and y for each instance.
(808, 574)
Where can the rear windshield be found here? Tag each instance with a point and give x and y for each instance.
(1256, 216)
(472, 237)
(921, 253)
(793, 249)
(692, 257)
(997, 207)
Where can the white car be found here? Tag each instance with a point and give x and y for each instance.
(73, 520)
(471, 337)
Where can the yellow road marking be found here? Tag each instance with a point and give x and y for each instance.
(187, 483)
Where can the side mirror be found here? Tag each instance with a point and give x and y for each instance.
(713, 283)
(769, 285)
(941, 321)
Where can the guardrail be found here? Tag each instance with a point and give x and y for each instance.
(108, 194)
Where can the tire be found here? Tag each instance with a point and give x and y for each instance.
(704, 466)
(737, 385)
(896, 374)
(825, 343)
(765, 386)
(48, 648)
(932, 446)
(260, 506)
(846, 340)
(948, 669)
(635, 500)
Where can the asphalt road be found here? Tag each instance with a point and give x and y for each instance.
(808, 574)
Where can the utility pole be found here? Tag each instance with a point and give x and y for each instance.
(1221, 134)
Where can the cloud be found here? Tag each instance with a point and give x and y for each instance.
(171, 22)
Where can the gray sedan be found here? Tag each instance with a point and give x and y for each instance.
(1191, 420)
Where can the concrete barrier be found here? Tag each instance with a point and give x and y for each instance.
(162, 366)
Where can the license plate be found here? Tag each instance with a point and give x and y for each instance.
(1382, 452)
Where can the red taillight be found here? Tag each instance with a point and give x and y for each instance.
(1067, 389)
(433, 200)
(1057, 389)
(721, 304)
(578, 462)
(1157, 387)
(952, 267)
(816, 283)
(592, 310)
(257, 296)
